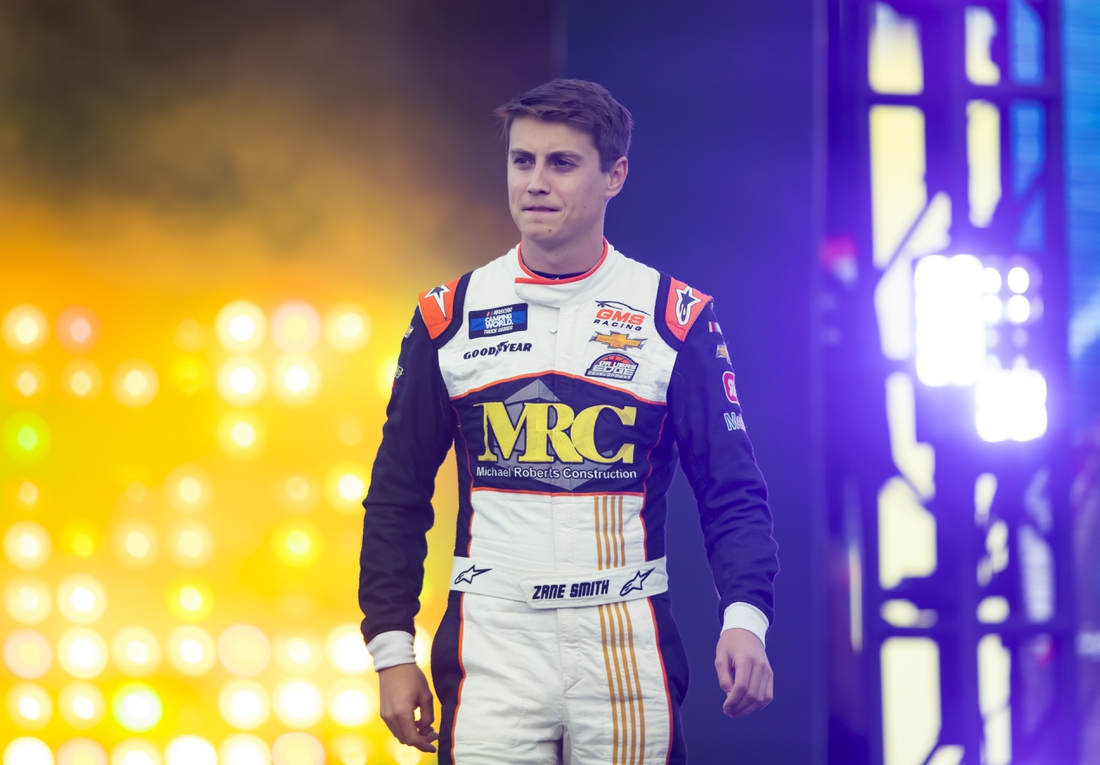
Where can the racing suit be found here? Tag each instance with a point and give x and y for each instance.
(568, 401)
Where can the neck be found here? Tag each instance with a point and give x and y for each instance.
(576, 257)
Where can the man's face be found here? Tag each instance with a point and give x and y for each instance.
(556, 190)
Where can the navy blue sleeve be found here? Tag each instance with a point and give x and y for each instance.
(415, 439)
(717, 458)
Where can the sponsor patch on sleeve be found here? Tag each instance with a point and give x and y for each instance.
(713, 327)
(613, 366)
(733, 421)
(729, 384)
(723, 353)
(490, 322)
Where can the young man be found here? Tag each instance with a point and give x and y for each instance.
(568, 377)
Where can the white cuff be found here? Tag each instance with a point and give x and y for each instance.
(388, 649)
(742, 616)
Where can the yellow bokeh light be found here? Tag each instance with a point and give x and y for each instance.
(244, 704)
(81, 380)
(241, 381)
(297, 494)
(422, 647)
(191, 601)
(190, 650)
(296, 380)
(81, 598)
(190, 750)
(188, 488)
(135, 751)
(346, 487)
(25, 328)
(136, 543)
(241, 434)
(350, 749)
(190, 544)
(78, 329)
(82, 653)
(298, 703)
(189, 335)
(27, 545)
(81, 537)
(243, 749)
(28, 750)
(190, 374)
(297, 543)
(28, 380)
(27, 600)
(81, 751)
(135, 384)
(351, 702)
(404, 755)
(298, 653)
(81, 705)
(387, 374)
(346, 650)
(27, 654)
(244, 650)
(136, 651)
(29, 706)
(297, 749)
(27, 494)
(295, 327)
(240, 326)
(347, 327)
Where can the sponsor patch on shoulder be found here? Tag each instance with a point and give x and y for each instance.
(613, 366)
(722, 353)
(729, 383)
(733, 421)
(490, 322)
(713, 327)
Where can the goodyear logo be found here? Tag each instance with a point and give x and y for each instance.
(571, 438)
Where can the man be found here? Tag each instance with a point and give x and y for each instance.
(568, 377)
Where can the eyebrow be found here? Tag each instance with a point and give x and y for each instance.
(572, 155)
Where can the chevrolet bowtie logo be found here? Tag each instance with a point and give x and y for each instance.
(637, 583)
(618, 340)
(469, 574)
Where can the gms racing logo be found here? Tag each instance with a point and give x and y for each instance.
(618, 315)
(551, 432)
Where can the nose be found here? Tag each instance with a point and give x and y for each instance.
(536, 181)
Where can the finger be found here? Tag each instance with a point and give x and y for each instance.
(427, 715)
(725, 674)
(739, 701)
(411, 736)
(758, 694)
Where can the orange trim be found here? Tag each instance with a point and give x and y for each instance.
(664, 674)
(560, 374)
(558, 493)
(437, 308)
(679, 320)
(533, 278)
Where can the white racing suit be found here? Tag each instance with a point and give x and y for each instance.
(568, 401)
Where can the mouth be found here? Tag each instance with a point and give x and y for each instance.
(540, 209)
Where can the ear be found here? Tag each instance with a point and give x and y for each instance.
(616, 177)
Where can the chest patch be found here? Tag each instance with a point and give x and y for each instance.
(490, 322)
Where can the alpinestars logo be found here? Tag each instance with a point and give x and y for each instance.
(636, 583)
(468, 575)
(438, 294)
(684, 305)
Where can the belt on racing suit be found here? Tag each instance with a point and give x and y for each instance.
(557, 589)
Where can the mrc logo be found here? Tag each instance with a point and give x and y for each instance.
(570, 439)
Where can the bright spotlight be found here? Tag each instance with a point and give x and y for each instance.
(241, 434)
(81, 705)
(991, 280)
(136, 543)
(28, 750)
(190, 750)
(299, 703)
(295, 327)
(191, 543)
(241, 381)
(1018, 309)
(191, 601)
(298, 654)
(346, 486)
(240, 327)
(77, 329)
(81, 598)
(27, 600)
(1018, 279)
(244, 650)
(25, 328)
(135, 751)
(136, 651)
(188, 488)
(297, 543)
(950, 330)
(1011, 404)
(190, 651)
(137, 707)
(297, 749)
(297, 380)
(82, 653)
(81, 751)
(244, 704)
(27, 654)
(243, 749)
(347, 327)
(29, 706)
(351, 702)
(135, 383)
(27, 545)
(346, 650)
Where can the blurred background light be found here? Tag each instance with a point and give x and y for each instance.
(346, 650)
(297, 749)
(1018, 279)
(28, 380)
(296, 380)
(404, 755)
(299, 654)
(244, 650)
(351, 702)
(190, 601)
(136, 543)
(27, 654)
(297, 543)
(950, 331)
(25, 328)
(244, 704)
(350, 749)
(189, 335)
(241, 434)
(190, 750)
(1011, 405)
(78, 329)
(135, 383)
(190, 374)
(241, 381)
(28, 750)
(385, 376)
(422, 647)
(27, 495)
(240, 327)
(346, 486)
(82, 653)
(993, 610)
(137, 707)
(188, 488)
(81, 537)
(298, 703)
(27, 545)
(81, 705)
(136, 651)
(992, 309)
(190, 650)
(29, 706)
(243, 749)
(1018, 309)
(190, 543)
(991, 280)
(135, 751)
(27, 600)
(26, 437)
(347, 327)
(297, 494)
(81, 598)
(81, 751)
(295, 327)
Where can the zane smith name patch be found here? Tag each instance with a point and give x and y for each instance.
(490, 322)
(613, 366)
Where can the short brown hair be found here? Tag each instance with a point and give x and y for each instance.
(582, 104)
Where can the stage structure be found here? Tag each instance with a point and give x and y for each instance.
(943, 318)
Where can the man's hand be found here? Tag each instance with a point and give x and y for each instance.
(743, 672)
(402, 690)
